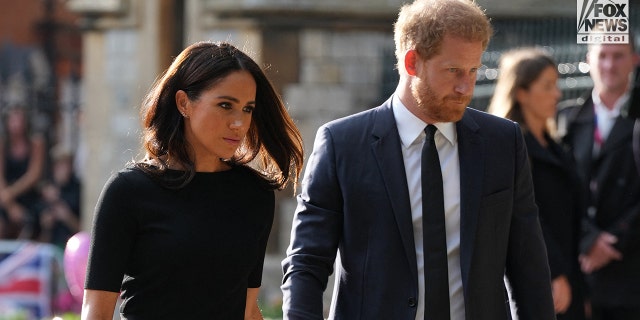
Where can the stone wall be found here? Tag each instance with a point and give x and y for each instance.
(340, 74)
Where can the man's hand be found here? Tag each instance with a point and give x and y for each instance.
(601, 253)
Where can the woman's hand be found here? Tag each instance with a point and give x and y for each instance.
(561, 290)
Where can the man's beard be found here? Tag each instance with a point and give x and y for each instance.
(448, 109)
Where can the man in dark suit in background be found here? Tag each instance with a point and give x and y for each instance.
(363, 196)
(633, 112)
(601, 140)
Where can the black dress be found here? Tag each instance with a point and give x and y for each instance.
(561, 205)
(14, 169)
(181, 254)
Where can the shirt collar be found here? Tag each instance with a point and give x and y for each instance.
(601, 109)
(412, 127)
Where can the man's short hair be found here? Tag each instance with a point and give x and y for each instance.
(423, 24)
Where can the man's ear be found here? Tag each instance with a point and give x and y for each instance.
(410, 62)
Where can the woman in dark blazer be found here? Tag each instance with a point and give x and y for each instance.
(526, 92)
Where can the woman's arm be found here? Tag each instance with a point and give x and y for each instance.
(34, 171)
(98, 304)
(251, 311)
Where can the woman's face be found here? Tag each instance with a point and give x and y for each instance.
(217, 121)
(16, 122)
(540, 99)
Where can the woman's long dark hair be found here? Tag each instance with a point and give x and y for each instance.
(272, 146)
(519, 68)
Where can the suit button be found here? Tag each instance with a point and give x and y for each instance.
(412, 302)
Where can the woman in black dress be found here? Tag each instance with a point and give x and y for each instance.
(527, 92)
(182, 233)
(22, 166)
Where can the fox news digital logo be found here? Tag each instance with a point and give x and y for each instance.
(603, 21)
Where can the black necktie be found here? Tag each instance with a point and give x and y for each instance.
(436, 273)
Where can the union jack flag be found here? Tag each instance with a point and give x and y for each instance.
(26, 279)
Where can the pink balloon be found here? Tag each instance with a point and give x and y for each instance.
(76, 253)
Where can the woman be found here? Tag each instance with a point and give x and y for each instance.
(60, 200)
(527, 92)
(182, 233)
(22, 159)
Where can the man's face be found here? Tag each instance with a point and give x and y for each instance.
(611, 65)
(443, 85)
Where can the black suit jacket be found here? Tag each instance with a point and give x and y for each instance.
(354, 202)
(612, 183)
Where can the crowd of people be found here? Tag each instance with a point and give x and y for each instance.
(585, 175)
(39, 188)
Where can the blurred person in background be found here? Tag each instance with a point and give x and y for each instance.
(636, 143)
(527, 92)
(182, 233)
(22, 166)
(601, 142)
(60, 200)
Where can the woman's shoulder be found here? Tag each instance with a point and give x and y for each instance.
(251, 177)
(129, 172)
(129, 177)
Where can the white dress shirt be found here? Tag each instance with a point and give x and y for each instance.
(412, 136)
(605, 117)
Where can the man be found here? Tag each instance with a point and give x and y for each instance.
(362, 194)
(601, 140)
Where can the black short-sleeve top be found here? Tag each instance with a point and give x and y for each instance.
(189, 253)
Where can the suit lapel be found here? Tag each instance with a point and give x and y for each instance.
(470, 150)
(620, 133)
(386, 148)
(582, 137)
